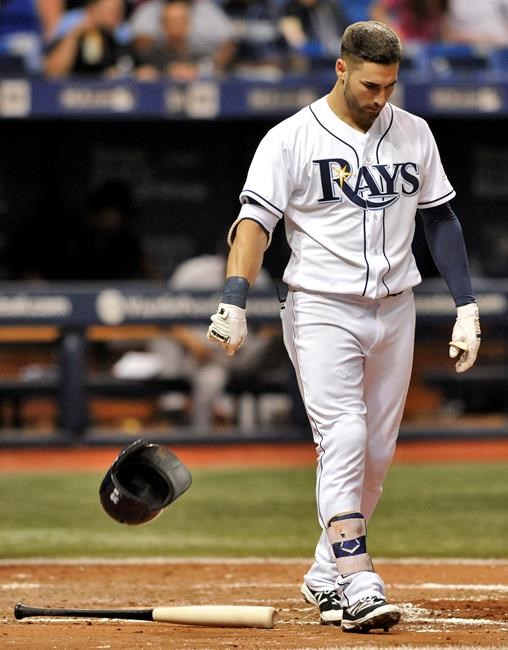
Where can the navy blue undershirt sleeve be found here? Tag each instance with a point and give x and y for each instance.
(444, 237)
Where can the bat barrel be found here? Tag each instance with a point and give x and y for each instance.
(218, 615)
(24, 611)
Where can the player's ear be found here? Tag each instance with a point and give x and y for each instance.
(340, 68)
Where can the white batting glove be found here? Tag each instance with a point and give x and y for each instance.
(228, 328)
(466, 336)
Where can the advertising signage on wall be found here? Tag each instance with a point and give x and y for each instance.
(233, 98)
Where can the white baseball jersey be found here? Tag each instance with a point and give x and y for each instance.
(348, 198)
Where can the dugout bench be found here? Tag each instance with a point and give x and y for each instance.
(73, 413)
(482, 389)
(73, 385)
(69, 316)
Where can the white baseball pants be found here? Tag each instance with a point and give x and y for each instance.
(353, 359)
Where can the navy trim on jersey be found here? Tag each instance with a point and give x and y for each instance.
(267, 202)
(384, 134)
(441, 198)
(365, 252)
(251, 201)
(336, 137)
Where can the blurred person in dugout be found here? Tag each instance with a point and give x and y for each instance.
(188, 352)
(196, 30)
(92, 38)
(175, 54)
(416, 21)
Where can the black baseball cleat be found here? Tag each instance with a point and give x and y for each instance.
(330, 611)
(370, 613)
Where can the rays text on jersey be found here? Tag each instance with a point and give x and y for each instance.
(372, 187)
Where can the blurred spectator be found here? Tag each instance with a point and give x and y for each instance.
(50, 12)
(313, 27)
(262, 51)
(415, 21)
(90, 40)
(175, 54)
(211, 32)
(472, 23)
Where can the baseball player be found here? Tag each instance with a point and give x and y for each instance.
(348, 175)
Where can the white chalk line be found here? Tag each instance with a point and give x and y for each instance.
(414, 614)
(451, 586)
(244, 584)
(239, 561)
(291, 585)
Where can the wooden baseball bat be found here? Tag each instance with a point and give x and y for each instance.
(211, 615)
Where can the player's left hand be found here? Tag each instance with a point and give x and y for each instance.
(228, 328)
(466, 336)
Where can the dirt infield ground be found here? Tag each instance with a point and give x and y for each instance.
(445, 604)
(462, 605)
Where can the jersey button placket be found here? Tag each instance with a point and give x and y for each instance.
(375, 247)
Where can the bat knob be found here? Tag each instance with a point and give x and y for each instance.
(19, 611)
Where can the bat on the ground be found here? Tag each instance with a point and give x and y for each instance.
(211, 615)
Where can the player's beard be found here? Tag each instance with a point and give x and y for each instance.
(362, 118)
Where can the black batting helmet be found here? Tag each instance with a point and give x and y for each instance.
(143, 480)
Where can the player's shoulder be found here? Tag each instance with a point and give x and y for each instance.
(407, 120)
(292, 124)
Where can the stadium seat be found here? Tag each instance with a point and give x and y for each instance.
(357, 10)
(498, 59)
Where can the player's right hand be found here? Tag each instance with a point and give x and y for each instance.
(228, 328)
(466, 337)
